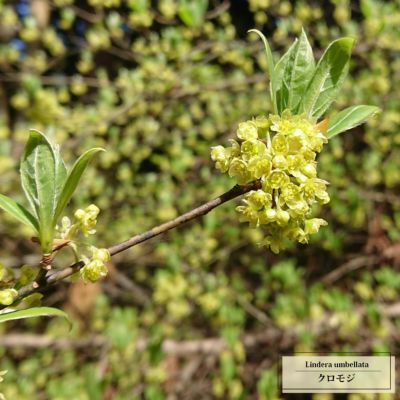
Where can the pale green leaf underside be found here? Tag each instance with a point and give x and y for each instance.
(72, 180)
(349, 118)
(297, 73)
(270, 59)
(279, 87)
(18, 211)
(33, 312)
(328, 77)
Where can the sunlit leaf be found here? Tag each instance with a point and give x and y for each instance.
(39, 180)
(278, 87)
(294, 74)
(32, 313)
(18, 211)
(349, 118)
(328, 77)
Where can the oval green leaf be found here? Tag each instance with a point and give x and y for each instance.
(279, 85)
(18, 211)
(349, 118)
(328, 77)
(61, 172)
(38, 178)
(296, 74)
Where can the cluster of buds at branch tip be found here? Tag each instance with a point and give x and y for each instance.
(87, 219)
(84, 221)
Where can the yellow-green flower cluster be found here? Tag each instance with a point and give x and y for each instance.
(95, 268)
(86, 219)
(280, 152)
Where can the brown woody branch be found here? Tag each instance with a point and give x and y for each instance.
(197, 212)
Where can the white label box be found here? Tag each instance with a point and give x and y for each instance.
(338, 374)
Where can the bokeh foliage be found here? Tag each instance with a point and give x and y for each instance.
(157, 84)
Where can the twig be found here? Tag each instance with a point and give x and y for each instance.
(197, 212)
(51, 80)
(350, 266)
(229, 83)
(236, 191)
(45, 341)
(221, 8)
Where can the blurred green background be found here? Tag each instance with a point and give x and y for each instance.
(201, 312)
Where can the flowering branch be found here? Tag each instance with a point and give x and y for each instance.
(197, 212)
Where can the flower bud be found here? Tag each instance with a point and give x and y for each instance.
(79, 214)
(7, 296)
(279, 161)
(270, 214)
(309, 170)
(87, 219)
(92, 211)
(100, 254)
(282, 217)
(263, 124)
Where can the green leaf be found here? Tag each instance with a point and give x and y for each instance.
(277, 85)
(34, 312)
(328, 77)
(18, 211)
(349, 118)
(270, 62)
(61, 171)
(294, 74)
(73, 179)
(39, 177)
